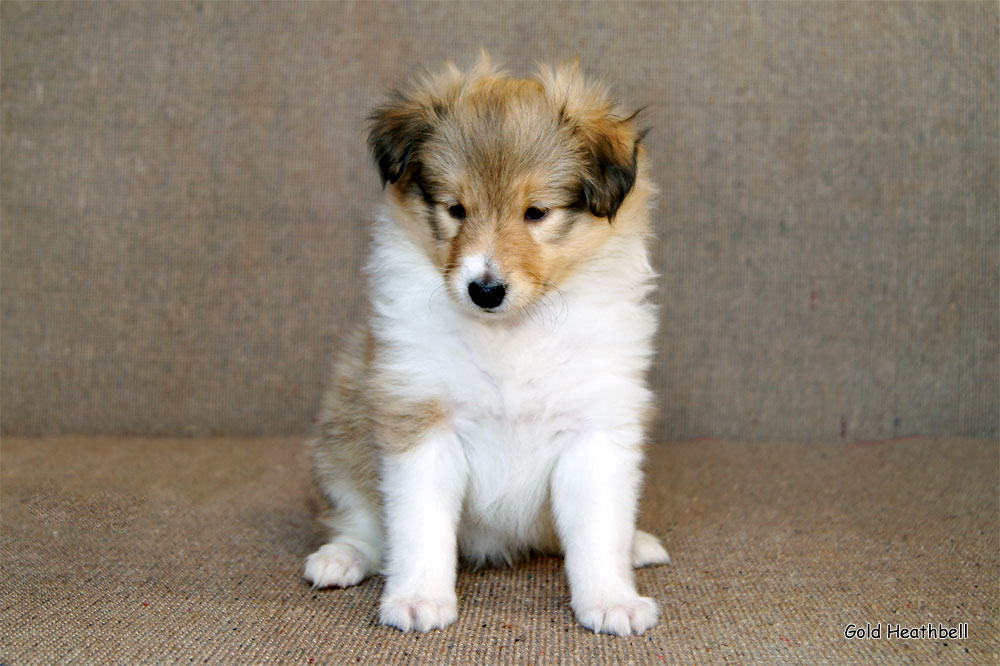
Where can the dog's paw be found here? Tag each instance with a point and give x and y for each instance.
(336, 565)
(409, 613)
(647, 551)
(624, 617)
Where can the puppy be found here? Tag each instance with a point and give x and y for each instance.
(494, 404)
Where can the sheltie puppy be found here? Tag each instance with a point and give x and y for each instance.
(494, 403)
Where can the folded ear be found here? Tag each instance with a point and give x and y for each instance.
(400, 127)
(610, 148)
(395, 135)
(606, 135)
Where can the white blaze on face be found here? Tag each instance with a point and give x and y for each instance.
(474, 267)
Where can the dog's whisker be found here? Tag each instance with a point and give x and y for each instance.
(434, 295)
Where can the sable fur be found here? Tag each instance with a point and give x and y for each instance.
(494, 429)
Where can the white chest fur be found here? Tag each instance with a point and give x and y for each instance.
(517, 392)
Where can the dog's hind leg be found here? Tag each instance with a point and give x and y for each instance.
(345, 465)
(343, 470)
(355, 550)
(647, 551)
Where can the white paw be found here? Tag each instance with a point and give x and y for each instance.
(631, 615)
(336, 565)
(417, 614)
(647, 550)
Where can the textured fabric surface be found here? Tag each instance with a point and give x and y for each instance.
(185, 188)
(179, 551)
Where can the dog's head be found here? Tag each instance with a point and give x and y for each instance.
(508, 184)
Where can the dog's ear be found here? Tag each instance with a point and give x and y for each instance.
(396, 132)
(400, 127)
(606, 135)
(610, 152)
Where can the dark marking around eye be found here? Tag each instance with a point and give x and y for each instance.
(432, 221)
(423, 187)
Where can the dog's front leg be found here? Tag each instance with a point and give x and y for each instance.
(595, 487)
(422, 489)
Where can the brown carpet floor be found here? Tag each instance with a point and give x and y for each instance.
(190, 551)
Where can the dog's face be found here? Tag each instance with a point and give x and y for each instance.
(507, 184)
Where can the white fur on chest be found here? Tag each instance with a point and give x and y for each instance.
(517, 393)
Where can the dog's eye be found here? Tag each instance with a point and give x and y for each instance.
(533, 214)
(457, 211)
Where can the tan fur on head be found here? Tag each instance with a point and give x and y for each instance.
(505, 180)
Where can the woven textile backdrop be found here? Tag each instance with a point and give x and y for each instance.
(185, 192)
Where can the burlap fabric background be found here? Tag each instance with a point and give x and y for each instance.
(185, 191)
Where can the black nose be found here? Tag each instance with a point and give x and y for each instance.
(487, 294)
